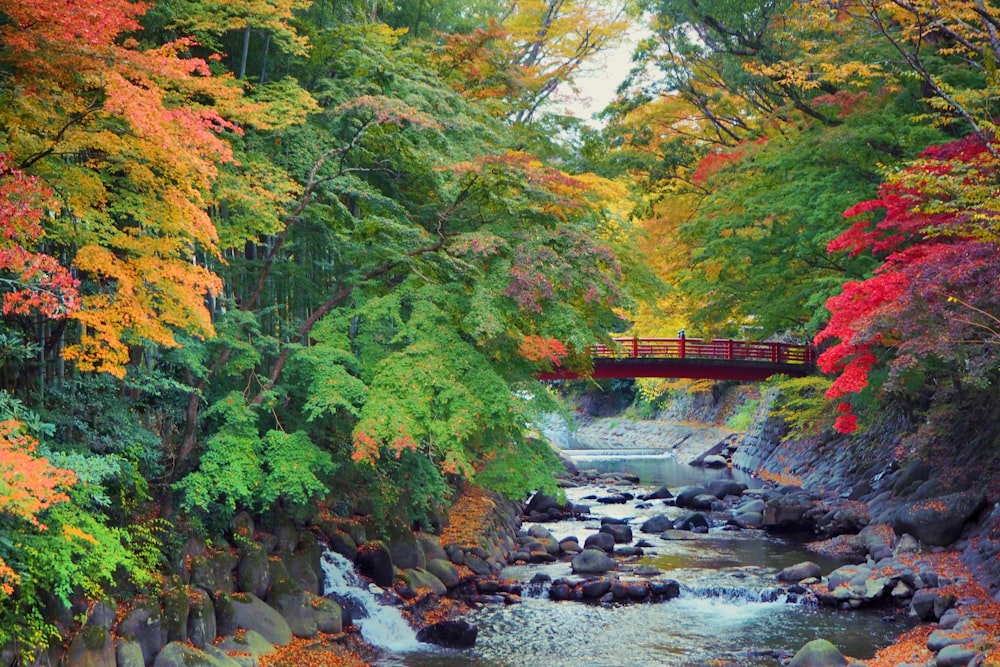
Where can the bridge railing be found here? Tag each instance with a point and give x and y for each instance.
(697, 348)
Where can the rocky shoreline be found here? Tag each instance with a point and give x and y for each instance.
(918, 549)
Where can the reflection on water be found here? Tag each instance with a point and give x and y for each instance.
(723, 617)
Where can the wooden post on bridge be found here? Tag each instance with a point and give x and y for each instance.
(635, 347)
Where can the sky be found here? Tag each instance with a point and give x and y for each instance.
(599, 83)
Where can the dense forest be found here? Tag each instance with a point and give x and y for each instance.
(283, 254)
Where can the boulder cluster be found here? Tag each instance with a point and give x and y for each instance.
(222, 607)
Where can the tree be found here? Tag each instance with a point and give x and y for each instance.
(931, 306)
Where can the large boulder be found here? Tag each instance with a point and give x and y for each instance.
(249, 612)
(93, 646)
(939, 522)
(686, 494)
(721, 488)
(247, 643)
(375, 562)
(293, 603)
(201, 627)
(657, 524)
(622, 533)
(444, 570)
(142, 625)
(592, 561)
(800, 571)
(818, 653)
(603, 541)
(303, 564)
(177, 654)
(453, 634)
(328, 614)
(253, 571)
(127, 654)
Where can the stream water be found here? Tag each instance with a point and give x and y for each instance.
(729, 611)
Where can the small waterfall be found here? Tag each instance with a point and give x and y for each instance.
(384, 625)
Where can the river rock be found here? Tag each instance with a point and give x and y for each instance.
(142, 624)
(818, 653)
(662, 493)
(714, 461)
(930, 605)
(696, 522)
(177, 654)
(800, 571)
(444, 570)
(342, 543)
(621, 533)
(704, 501)
(602, 541)
(956, 655)
(373, 561)
(246, 645)
(657, 524)
(595, 589)
(592, 561)
(721, 488)
(251, 613)
(686, 494)
(201, 627)
(939, 521)
(452, 634)
(292, 602)
(327, 613)
(788, 511)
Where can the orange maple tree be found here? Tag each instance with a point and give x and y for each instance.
(129, 139)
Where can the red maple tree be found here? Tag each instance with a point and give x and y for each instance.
(934, 295)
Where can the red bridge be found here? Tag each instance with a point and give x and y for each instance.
(694, 358)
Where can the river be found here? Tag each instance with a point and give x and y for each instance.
(728, 612)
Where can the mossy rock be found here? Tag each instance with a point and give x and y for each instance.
(252, 613)
(406, 551)
(128, 653)
(432, 547)
(176, 607)
(303, 567)
(420, 578)
(249, 642)
(176, 654)
(253, 571)
(201, 628)
(342, 543)
(91, 647)
(142, 624)
(328, 614)
(293, 603)
(444, 571)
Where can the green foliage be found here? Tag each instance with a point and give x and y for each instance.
(744, 416)
(520, 468)
(296, 471)
(240, 469)
(803, 405)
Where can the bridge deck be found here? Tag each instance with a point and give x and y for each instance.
(695, 358)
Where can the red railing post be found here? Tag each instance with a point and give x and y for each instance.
(635, 348)
(681, 345)
(729, 350)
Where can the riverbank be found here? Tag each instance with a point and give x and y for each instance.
(953, 533)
